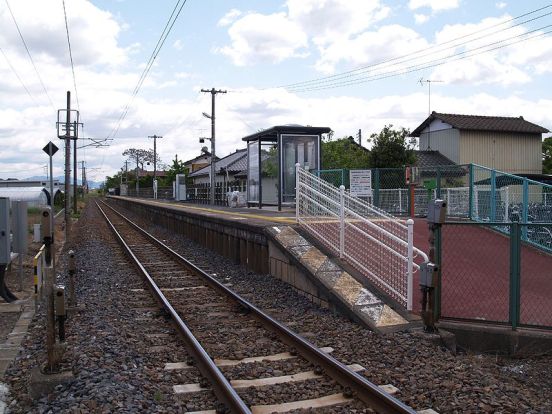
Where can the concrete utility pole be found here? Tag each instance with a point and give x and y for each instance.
(155, 137)
(83, 177)
(75, 170)
(213, 93)
(137, 179)
(67, 167)
(359, 136)
(126, 172)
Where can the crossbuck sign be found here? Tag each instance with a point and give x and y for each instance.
(361, 183)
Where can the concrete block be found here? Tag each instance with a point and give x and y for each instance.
(41, 384)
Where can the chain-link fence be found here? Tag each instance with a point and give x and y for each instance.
(535, 270)
(488, 273)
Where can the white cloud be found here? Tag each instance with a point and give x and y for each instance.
(434, 5)
(325, 20)
(229, 17)
(178, 45)
(256, 37)
(43, 28)
(269, 38)
(509, 65)
(500, 5)
(421, 18)
(371, 47)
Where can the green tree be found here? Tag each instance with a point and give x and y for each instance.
(177, 167)
(391, 149)
(547, 156)
(344, 153)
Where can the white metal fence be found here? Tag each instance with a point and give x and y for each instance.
(376, 243)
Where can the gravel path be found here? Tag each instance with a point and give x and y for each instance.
(109, 347)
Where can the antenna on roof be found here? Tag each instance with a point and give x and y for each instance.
(429, 82)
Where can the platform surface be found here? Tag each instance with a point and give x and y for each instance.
(254, 216)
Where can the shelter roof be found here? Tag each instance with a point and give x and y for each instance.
(272, 133)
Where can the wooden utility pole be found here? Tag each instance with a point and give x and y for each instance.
(213, 93)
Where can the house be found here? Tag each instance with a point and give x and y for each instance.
(198, 162)
(508, 144)
(226, 169)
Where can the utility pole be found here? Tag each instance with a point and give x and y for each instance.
(67, 167)
(359, 136)
(213, 93)
(75, 174)
(137, 179)
(155, 137)
(83, 177)
(126, 172)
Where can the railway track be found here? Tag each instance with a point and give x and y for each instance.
(246, 357)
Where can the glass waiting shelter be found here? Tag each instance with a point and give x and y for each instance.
(271, 158)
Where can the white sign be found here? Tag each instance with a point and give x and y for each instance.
(361, 183)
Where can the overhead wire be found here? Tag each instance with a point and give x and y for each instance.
(18, 77)
(71, 55)
(403, 59)
(426, 65)
(30, 56)
(160, 42)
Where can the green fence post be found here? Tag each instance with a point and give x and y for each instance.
(525, 207)
(515, 270)
(493, 195)
(470, 187)
(376, 189)
(438, 262)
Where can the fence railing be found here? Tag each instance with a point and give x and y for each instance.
(471, 191)
(489, 274)
(201, 193)
(164, 193)
(376, 243)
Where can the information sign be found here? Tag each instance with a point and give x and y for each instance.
(361, 183)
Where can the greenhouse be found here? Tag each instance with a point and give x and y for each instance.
(34, 196)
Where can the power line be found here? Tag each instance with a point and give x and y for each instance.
(425, 65)
(18, 77)
(160, 42)
(402, 59)
(71, 55)
(29, 54)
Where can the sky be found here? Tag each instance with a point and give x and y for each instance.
(344, 64)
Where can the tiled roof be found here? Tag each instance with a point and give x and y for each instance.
(426, 159)
(236, 161)
(483, 123)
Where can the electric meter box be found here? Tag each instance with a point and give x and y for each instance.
(436, 211)
(5, 241)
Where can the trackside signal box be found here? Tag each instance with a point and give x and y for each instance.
(436, 211)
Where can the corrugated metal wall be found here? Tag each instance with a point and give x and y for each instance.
(508, 152)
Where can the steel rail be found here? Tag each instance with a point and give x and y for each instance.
(222, 388)
(363, 389)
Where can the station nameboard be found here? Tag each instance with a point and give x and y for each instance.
(360, 183)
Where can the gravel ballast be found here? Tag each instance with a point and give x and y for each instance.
(109, 346)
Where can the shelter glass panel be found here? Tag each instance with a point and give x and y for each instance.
(253, 172)
(302, 149)
(269, 172)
